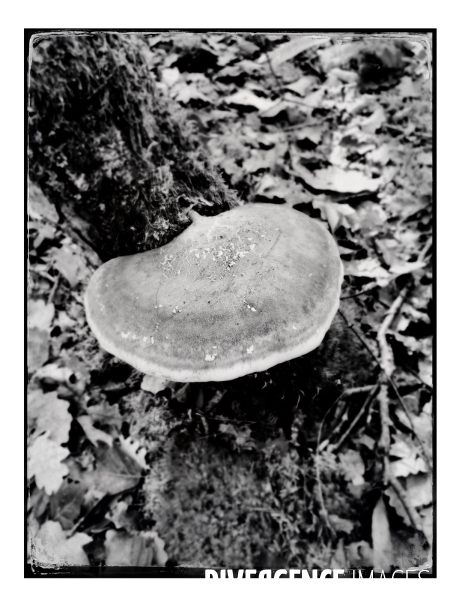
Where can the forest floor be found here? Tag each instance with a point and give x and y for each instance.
(127, 471)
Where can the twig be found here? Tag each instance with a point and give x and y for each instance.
(365, 389)
(409, 418)
(54, 289)
(424, 384)
(391, 382)
(409, 508)
(368, 400)
(349, 392)
(273, 72)
(387, 364)
(317, 467)
(368, 288)
(384, 445)
(291, 128)
(424, 252)
(385, 438)
(386, 358)
(355, 332)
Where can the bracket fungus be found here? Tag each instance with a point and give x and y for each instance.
(233, 294)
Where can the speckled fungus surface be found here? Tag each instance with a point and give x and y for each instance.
(233, 294)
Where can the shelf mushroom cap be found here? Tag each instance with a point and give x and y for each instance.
(233, 294)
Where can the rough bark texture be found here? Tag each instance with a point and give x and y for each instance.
(106, 146)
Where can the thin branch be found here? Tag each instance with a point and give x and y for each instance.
(355, 332)
(386, 358)
(273, 73)
(409, 508)
(391, 382)
(365, 389)
(54, 289)
(368, 401)
(424, 252)
(384, 446)
(368, 288)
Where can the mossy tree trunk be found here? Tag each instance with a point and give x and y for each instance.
(104, 145)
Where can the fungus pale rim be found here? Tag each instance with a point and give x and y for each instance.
(240, 369)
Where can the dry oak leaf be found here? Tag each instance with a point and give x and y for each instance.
(51, 546)
(50, 414)
(335, 179)
(45, 464)
(247, 99)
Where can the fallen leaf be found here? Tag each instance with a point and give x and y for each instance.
(134, 449)
(45, 464)
(247, 99)
(410, 462)
(372, 218)
(69, 264)
(50, 414)
(190, 92)
(335, 179)
(45, 231)
(37, 348)
(116, 471)
(66, 504)
(105, 413)
(315, 99)
(420, 489)
(51, 546)
(312, 134)
(401, 268)
(370, 268)
(339, 559)
(353, 466)
(408, 89)
(381, 537)
(380, 156)
(64, 322)
(372, 123)
(71, 373)
(288, 50)
(302, 85)
(39, 205)
(337, 214)
(337, 74)
(170, 76)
